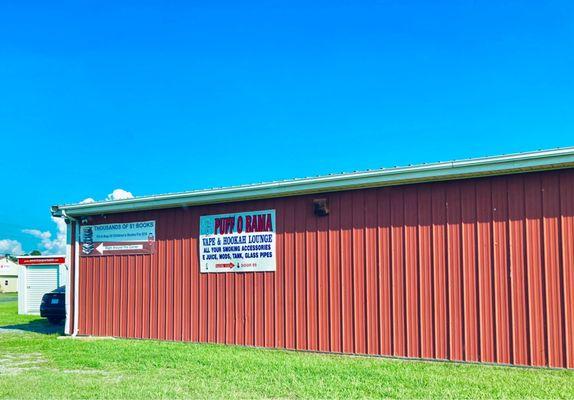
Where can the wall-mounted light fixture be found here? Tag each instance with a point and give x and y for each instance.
(320, 207)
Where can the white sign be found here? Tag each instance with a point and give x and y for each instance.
(119, 238)
(239, 242)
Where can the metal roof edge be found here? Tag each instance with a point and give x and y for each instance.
(44, 256)
(477, 167)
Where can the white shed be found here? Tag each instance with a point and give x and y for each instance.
(8, 275)
(37, 276)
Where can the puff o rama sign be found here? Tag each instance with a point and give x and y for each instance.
(237, 242)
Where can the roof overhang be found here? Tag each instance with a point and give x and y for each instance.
(442, 171)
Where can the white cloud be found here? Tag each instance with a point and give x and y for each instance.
(119, 194)
(47, 244)
(8, 246)
(55, 245)
(60, 241)
(37, 233)
(116, 194)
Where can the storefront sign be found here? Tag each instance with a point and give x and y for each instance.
(239, 242)
(41, 260)
(118, 239)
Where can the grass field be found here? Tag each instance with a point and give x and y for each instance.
(38, 365)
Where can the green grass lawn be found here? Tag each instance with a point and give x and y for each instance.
(35, 365)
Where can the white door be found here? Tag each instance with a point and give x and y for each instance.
(39, 280)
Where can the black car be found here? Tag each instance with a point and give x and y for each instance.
(53, 305)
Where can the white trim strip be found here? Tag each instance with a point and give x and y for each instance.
(76, 274)
(69, 269)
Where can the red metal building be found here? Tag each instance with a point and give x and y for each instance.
(467, 260)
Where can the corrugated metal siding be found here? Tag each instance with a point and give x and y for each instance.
(473, 270)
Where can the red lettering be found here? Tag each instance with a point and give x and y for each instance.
(248, 227)
(224, 225)
(253, 223)
(268, 225)
(261, 222)
(230, 225)
(239, 224)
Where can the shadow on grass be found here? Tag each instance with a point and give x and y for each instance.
(36, 326)
(8, 297)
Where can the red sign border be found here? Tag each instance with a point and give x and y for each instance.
(41, 260)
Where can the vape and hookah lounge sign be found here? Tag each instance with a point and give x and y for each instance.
(238, 242)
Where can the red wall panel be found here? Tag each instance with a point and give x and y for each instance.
(567, 261)
(473, 270)
(440, 281)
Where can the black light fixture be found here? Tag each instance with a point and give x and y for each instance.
(320, 207)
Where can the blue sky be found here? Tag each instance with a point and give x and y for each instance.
(165, 96)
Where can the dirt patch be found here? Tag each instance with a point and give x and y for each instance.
(13, 364)
(108, 376)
